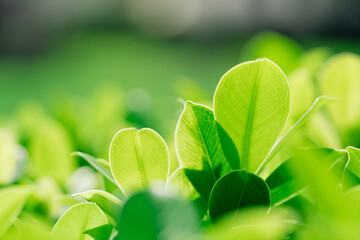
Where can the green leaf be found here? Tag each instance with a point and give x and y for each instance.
(103, 167)
(138, 158)
(236, 190)
(228, 147)
(178, 183)
(340, 77)
(318, 103)
(251, 103)
(108, 203)
(284, 185)
(353, 164)
(99, 164)
(78, 220)
(286, 191)
(8, 156)
(148, 216)
(12, 201)
(198, 147)
(323, 185)
(29, 227)
(50, 149)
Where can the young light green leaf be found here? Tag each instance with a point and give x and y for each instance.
(318, 103)
(251, 103)
(235, 190)
(198, 146)
(340, 77)
(99, 164)
(108, 203)
(12, 201)
(138, 158)
(83, 221)
(353, 164)
(159, 217)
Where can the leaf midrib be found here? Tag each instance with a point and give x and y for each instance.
(137, 141)
(247, 136)
(208, 158)
(242, 194)
(84, 226)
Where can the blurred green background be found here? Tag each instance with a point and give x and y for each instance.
(73, 73)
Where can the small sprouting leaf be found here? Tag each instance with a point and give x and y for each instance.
(99, 164)
(235, 190)
(81, 220)
(198, 147)
(251, 103)
(340, 77)
(138, 158)
(159, 217)
(12, 201)
(108, 203)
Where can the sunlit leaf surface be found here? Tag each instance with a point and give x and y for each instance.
(83, 221)
(138, 158)
(252, 103)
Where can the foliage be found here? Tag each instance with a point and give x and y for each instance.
(274, 159)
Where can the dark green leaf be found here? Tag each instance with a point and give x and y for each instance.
(198, 147)
(235, 190)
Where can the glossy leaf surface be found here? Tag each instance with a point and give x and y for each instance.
(108, 203)
(138, 158)
(251, 104)
(83, 221)
(236, 190)
(198, 147)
